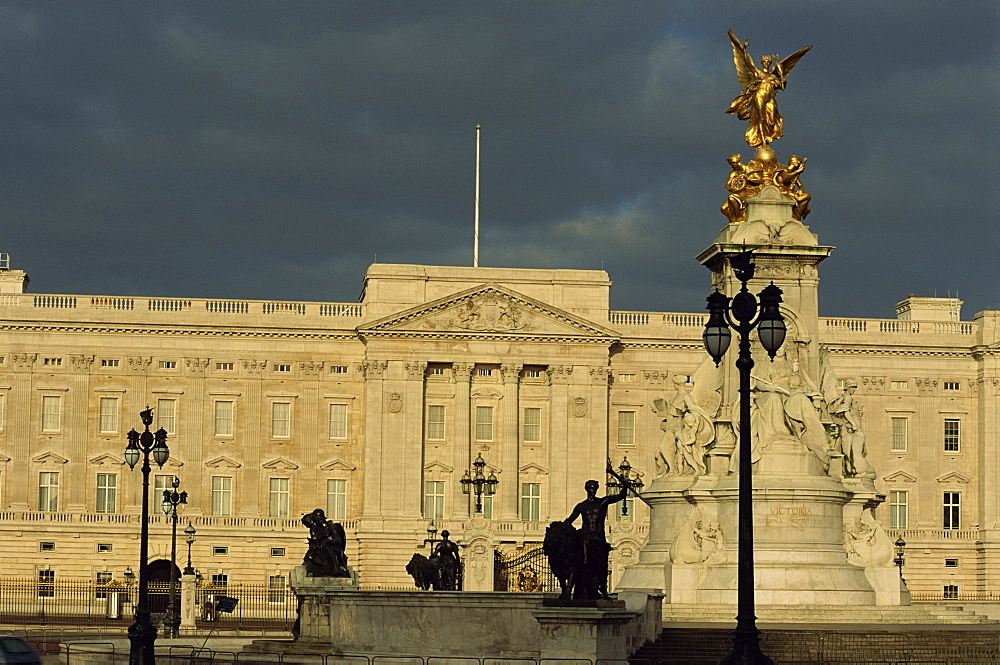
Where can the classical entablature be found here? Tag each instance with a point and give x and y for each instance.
(489, 312)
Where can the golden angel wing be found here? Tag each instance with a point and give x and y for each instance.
(746, 71)
(785, 66)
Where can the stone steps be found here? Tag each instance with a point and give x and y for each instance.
(689, 646)
(849, 614)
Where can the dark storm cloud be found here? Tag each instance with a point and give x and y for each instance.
(274, 150)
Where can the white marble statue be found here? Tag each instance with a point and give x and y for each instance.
(867, 543)
(847, 413)
(688, 423)
(695, 544)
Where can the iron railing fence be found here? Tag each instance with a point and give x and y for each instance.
(90, 603)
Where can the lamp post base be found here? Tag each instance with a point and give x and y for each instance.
(746, 649)
(142, 638)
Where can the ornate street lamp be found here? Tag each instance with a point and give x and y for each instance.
(171, 499)
(142, 633)
(432, 532)
(742, 314)
(632, 478)
(189, 532)
(479, 482)
(900, 551)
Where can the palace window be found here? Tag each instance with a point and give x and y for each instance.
(105, 548)
(46, 546)
(952, 385)
(102, 579)
(897, 434)
(222, 495)
(336, 499)
(484, 423)
(220, 550)
(109, 362)
(531, 502)
(51, 413)
(626, 378)
(52, 362)
(107, 490)
(281, 419)
(225, 366)
(950, 591)
(224, 410)
(282, 367)
(48, 491)
(487, 507)
(532, 425)
(484, 371)
(220, 580)
(338, 369)
(277, 551)
(899, 385)
(276, 589)
(46, 584)
(897, 509)
(952, 510)
(435, 422)
(626, 428)
(338, 421)
(952, 432)
(278, 498)
(166, 415)
(951, 563)
(168, 364)
(109, 414)
(434, 499)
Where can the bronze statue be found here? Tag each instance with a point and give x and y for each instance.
(579, 557)
(441, 572)
(426, 574)
(749, 179)
(327, 542)
(757, 103)
(447, 556)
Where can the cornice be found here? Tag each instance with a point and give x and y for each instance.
(896, 352)
(177, 332)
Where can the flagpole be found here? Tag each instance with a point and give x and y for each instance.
(475, 244)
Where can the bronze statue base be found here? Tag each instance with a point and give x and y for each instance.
(600, 603)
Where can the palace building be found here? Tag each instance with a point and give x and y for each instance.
(375, 410)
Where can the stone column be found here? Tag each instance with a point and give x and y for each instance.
(558, 493)
(409, 493)
(19, 412)
(462, 375)
(374, 374)
(510, 440)
(77, 483)
(188, 609)
(246, 484)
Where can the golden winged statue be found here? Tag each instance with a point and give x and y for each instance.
(757, 102)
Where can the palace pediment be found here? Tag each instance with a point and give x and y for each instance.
(280, 465)
(488, 310)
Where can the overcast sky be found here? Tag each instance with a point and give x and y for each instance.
(273, 150)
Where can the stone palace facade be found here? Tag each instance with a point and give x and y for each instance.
(375, 410)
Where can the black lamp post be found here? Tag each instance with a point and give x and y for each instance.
(171, 499)
(741, 314)
(142, 633)
(625, 471)
(479, 482)
(900, 551)
(432, 532)
(189, 532)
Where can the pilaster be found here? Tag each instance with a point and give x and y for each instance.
(462, 376)
(509, 406)
(373, 372)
